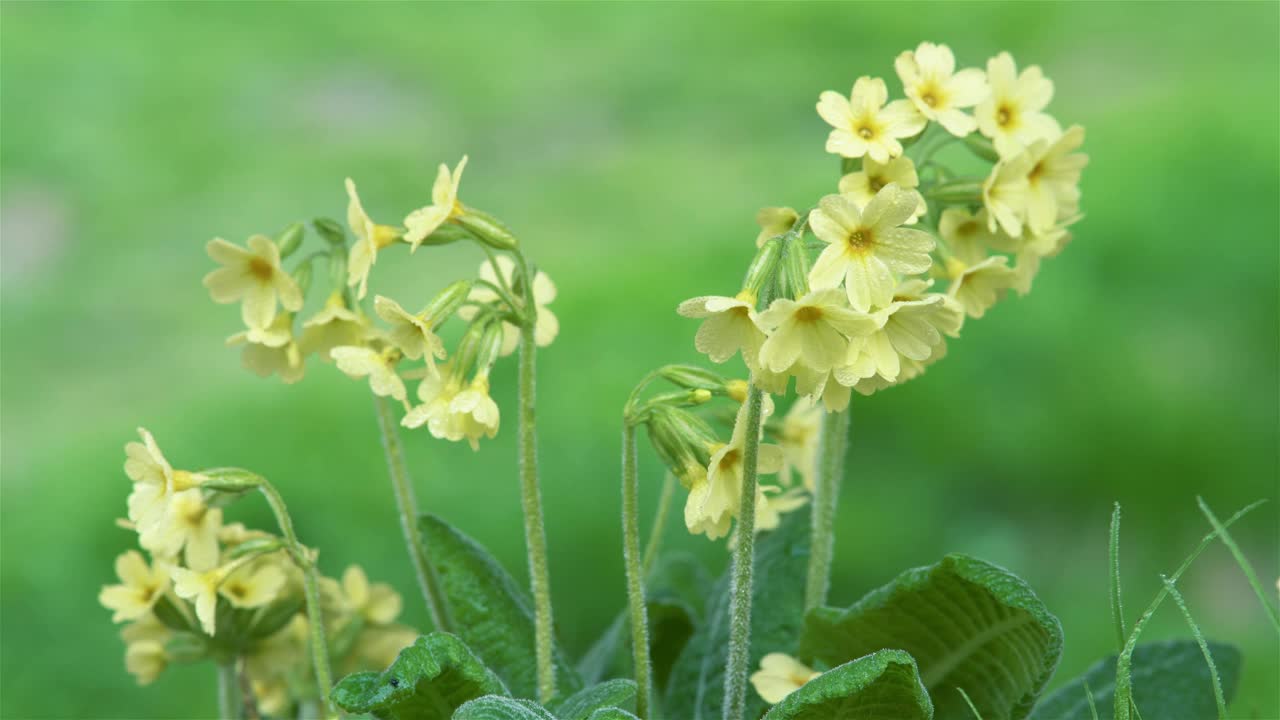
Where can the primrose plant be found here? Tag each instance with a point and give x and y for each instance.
(947, 200)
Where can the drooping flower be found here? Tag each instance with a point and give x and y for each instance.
(141, 585)
(145, 656)
(271, 350)
(436, 393)
(254, 276)
(411, 333)
(773, 502)
(813, 330)
(1012, 114)
(333, 326)
(779, 676)
(1035, 247)
(154, 481)
(910, 370)
(977, 287)
(370, 238)
(774, 221)
(863, 185)
(864, 124)
(379, 367)
(714, 499)
(546, 327)
(1053, 182)
(188, 523)
(444, 205)
(939, 92)
(865, 247)
(474, 413)
(1004, 194)
(729, 325)
(375, 602)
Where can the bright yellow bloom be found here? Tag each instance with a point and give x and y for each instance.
(370, 238)
(141, 585)
(473, 414)
(863, 185)
(774, 221)
(779, 676)
(436, 393)
(912, 329)
(714, 499)
(773, 502)
(729, 326)
(865, 247)
(202, 589)
(254, 584)
(977, 287)
(1011, 115)
(376, 603)
(252, 275)
(968, 235)
(813, 330)
(188, 523)
(380, 367)
(410, 333)
(333, 326)
(546, 326)
(271, 350)
(444, 205)
(1004, 194)
(864, 124)
(939, 92)
(1053, 191)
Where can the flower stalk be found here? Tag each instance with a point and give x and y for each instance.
(228, 700)
(635, 568)
(832, 449)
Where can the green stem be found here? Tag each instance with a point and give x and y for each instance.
(228, 702)
(736, 667)
(635, 573)
(835, 433)
(659, 522)
(407, 506)
(535, 535)
(311, 591)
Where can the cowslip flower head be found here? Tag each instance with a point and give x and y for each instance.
(813, 331)
(774, 221)
(189, 524)
(254, 276)
(370, 238)
(444, 205)
(201, 587)
(410, 333)
(473, 413)
(271, 350)
(977, 287)
(546, 326)
(729, 325)
(378, 366)
(1012, 114)
(779, 676)
(714, 499)
(864, 124)
(866, 246)
(1053, 182)
(1004, 194)
(938, 92)
(141, 585)
(863, 185)
(332, 326)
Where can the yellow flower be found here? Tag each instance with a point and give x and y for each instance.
(1036, 247)
(863, 185)
(812, 330)
(145, 656)
(253, 275)
(154, 481)
(864, 125)
(380, 367)
(1004, 194)
(271, 350)
(1053, 190)
(436, 393)
(545, 328)
(779, 676)
(202, 589)
(977, 287)
(774, 221)
(910, 370)
(1011, 115)
(370, 238)
(333, 326)
(141, 585)
(865, 247)
(444, 205)
(798, 437)
(968, 235)
(475, 414)
(714, 499)
(728, 326)
(939, 92)
(254, 584)
(912, 327)
(188, 522)
(376, 603)
(410, 333)
(773, 502)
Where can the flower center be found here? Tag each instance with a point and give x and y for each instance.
(865, 132)
(236, 590)
(1033, 177)
(730, 459)
(1006, 115)
(969, 227)
(261, 269)
(808, 314)
(860, 240)
(876, 183)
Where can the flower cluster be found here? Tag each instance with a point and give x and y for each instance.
(453, 399)
(209, 590)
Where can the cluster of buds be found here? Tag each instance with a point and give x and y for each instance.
(453, 397)
(863, 314)
(206, 590)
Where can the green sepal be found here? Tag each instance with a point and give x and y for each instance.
(272, 618)
(330, 230)
(487, 229)
(693, 377)
(186, 647)
(167, 612)
(290, 239)
(885, 684)
(447, 234)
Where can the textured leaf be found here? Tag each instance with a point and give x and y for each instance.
(611, 693)
(1170, 682)
(882, 685)
(488, 609)
(695, 690)
(612, 714)
(496, 707)
(967, 623)
(428, 681)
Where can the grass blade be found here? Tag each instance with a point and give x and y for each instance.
(969, 702)
(1204, 646)
(1245, 566)
(1093, 707)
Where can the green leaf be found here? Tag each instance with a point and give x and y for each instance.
(428, 681)
(882, 685)
(967, 623)
(1170, 680)
(580, 706)
(695, 690)
(495, 707)
(488, 609)
(612, 714)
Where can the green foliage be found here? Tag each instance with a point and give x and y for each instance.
(1170, 681)
(428, 681)
(967, 623)
(885, 684)
(611, 714)
(696, 684)
(496, 707)
(488, 610)
(584, 703)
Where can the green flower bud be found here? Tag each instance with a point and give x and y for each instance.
(488, 229)
(488, 347)
(763, 266)
(982, 147)
(337, 269)
(795, 269)
(448, 233)
(290, 239)
(692, 377)
(446, 303)
(302, 276)
(230, 480)
(469, 346)
(330, 230)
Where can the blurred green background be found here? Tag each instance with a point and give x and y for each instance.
(630, 146)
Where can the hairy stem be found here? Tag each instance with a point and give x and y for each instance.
(736, 667)
(228, 703)
(407, 506)
(635, 573)
(659, 522)
(832, 448)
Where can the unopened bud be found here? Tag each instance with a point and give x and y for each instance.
(446, 303)
(488, 229)
(230, 480)
(763, 266)
(290, 239)
(302, 276)
(737, 389)
(692, 377)
(795, 269)
(330, 230)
